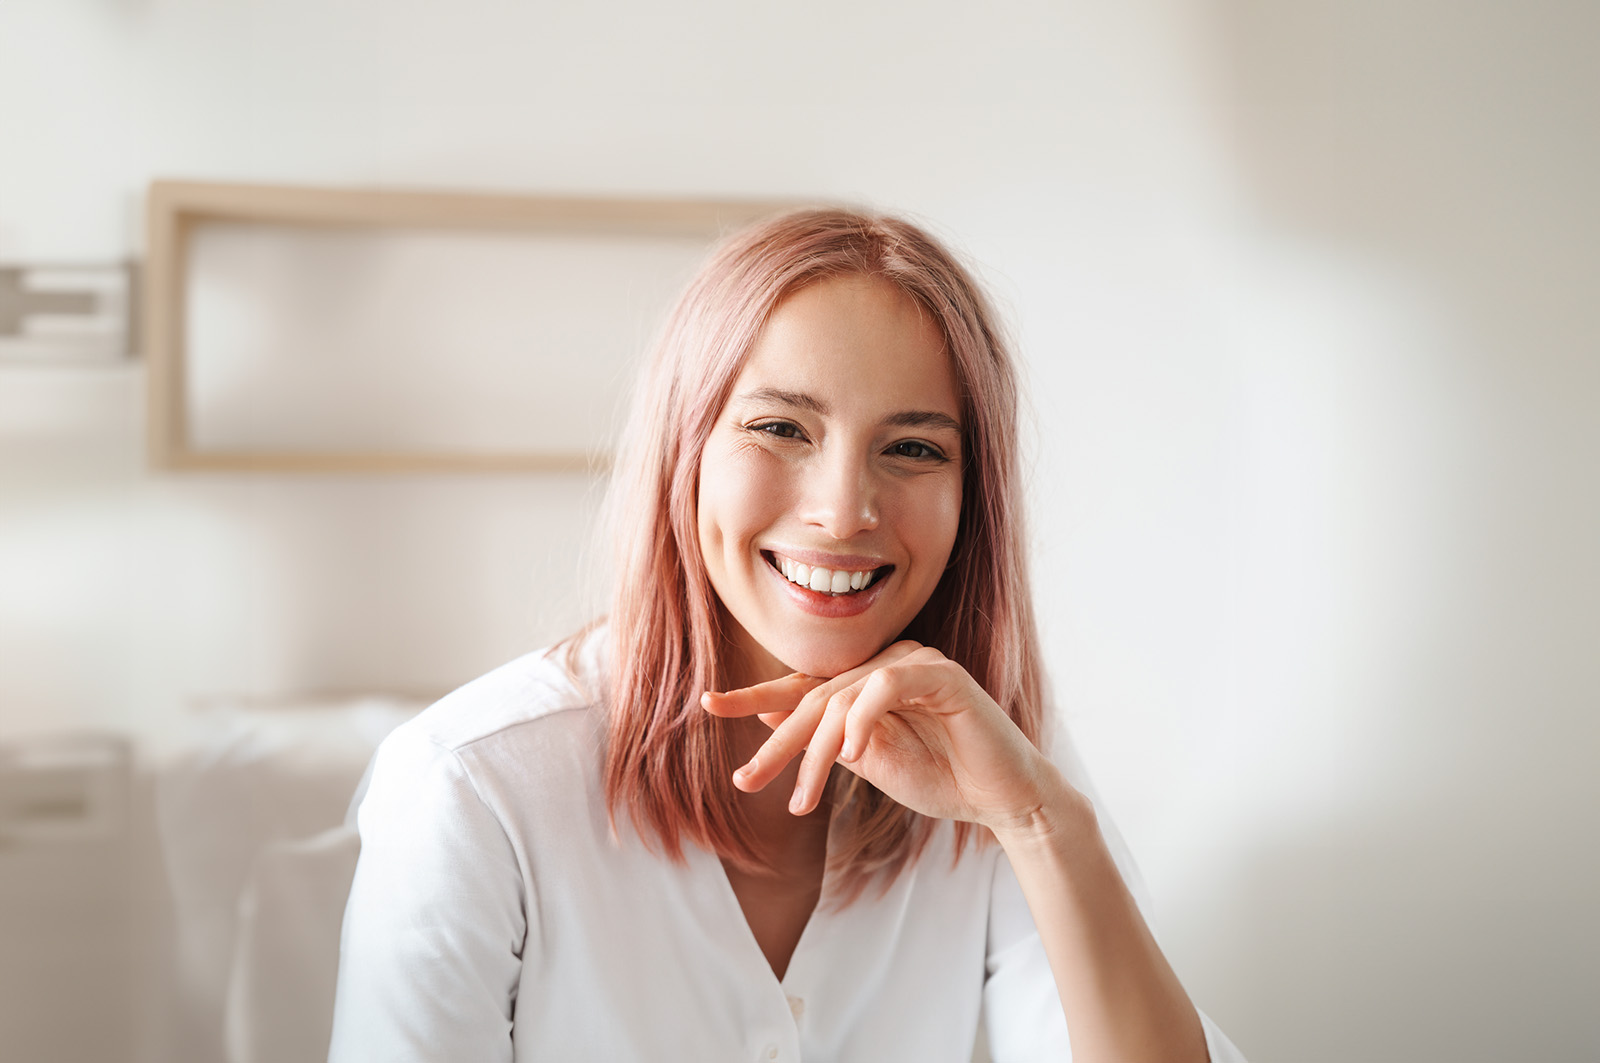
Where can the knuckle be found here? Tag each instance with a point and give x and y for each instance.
(815, 701)
(877, 681)
(814, 752)
(797, 739)
(785, 740)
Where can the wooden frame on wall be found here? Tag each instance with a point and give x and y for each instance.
(175, 209)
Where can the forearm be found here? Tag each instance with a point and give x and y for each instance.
(1122, 1001)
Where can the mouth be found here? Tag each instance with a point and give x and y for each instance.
(831, 582)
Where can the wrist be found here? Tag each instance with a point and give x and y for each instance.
(1059, 813)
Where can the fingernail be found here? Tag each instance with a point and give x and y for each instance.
(849, 750)
(798, 801)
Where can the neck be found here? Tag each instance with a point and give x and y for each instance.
(746, 663)
(768, 808)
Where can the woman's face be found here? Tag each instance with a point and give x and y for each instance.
(830, 487)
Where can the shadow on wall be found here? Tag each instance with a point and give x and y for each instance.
(1444, 908)
(1409, 942)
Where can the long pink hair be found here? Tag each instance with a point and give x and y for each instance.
(666, 760)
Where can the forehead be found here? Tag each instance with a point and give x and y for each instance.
(857, 338)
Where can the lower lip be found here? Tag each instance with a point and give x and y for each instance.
(831, 606)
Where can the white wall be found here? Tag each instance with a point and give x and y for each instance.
(1304, 296)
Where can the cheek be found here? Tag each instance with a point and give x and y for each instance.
(936, 516)
(709, 510)
(734, 500)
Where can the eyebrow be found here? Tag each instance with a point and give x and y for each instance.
(903, 419)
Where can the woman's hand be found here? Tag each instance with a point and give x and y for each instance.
(914, 724)
(910, 721)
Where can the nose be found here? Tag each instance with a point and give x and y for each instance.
(840, 496)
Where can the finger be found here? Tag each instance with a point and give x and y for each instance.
(784, 693)
(777, 695)
(786, 740)
(877, 699)
(926, 685)
(822, 751)
(773, 719)
(793, 734)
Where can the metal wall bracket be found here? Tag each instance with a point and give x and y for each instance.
(68, 314)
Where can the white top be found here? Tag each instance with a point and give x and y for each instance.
(494, 916)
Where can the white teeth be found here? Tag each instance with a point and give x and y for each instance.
(825, 580)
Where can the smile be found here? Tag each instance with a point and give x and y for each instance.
(831, 581)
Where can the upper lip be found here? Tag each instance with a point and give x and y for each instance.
(819, 559)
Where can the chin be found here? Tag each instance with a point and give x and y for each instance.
(824, 661)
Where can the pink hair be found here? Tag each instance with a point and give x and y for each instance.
(666, 760)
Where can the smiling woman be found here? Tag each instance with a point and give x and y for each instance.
(794, 798)
(836, 465)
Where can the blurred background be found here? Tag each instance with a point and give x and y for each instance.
(1306, 297)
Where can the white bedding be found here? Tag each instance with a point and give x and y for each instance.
(251, 807)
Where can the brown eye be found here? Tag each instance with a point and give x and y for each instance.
(913, 448)
(781, 429)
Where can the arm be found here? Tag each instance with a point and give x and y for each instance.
(1022, 1006)
(433, 931)
(1122, 1000)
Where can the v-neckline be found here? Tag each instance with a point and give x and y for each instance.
(749, 944)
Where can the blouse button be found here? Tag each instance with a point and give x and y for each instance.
(772, 1051)
(797, 1007)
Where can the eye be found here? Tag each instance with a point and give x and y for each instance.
(779, 429)
(916, 448)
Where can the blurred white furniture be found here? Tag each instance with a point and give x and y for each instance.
(71, 890)
(252, 812)
(286, 959)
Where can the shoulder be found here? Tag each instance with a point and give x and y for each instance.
(550, 689)
(528, 730)
(528, 726)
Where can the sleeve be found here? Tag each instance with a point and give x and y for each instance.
(431, 946)
(1021, 1008)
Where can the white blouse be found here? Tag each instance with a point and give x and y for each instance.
(495, 916)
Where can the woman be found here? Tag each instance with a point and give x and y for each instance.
(789, 802)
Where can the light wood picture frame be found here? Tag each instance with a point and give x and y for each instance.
(179, 210)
